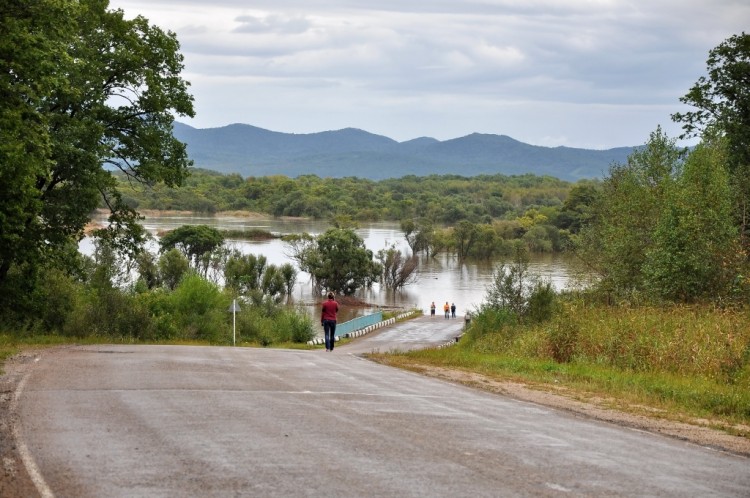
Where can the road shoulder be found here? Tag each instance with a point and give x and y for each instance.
(696, 431)
(15, 478)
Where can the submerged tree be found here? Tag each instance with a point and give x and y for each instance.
(399, 270)
(337, 260)
(419, 235)
(196, 242)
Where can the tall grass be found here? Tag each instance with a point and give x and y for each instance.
(694, 359)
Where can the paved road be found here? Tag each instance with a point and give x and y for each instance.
(151, 421)
(417, 333)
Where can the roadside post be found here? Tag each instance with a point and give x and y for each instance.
(234, 308)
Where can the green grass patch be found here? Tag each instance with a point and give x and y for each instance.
(682, 361)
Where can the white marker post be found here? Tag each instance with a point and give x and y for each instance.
(234, 309)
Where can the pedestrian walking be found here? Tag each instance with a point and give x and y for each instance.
(453, 310)
(328, 321)
(432, 309)
(447, 309)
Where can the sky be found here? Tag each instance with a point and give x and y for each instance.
(593, 74)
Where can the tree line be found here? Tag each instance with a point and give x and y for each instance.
(89, 100)
(468, 216)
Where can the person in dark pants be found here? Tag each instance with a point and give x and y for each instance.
(453, 310)
(328, 320)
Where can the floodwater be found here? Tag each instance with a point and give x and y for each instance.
(440, 279)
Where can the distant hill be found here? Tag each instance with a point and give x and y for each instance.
(252, 151)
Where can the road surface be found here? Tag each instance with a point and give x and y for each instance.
(152, 421)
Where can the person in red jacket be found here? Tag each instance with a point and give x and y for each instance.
(328, 320)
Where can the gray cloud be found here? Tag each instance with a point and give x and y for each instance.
(594, 73)
(272, 24)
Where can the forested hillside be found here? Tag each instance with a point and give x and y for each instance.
(253, 151)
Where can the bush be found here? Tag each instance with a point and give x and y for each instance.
(200, 310)
(55, 299)
(540, 305)
(264, 326)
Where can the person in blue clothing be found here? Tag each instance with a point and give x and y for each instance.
(453, 310)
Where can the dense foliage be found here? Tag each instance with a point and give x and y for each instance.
(337, 260)
(470, 217)
(444, 199)
(666, 235)
(81, 87)
(85, 92)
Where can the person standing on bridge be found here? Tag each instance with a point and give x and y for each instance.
(328, 320)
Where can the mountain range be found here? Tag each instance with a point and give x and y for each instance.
(253, 151)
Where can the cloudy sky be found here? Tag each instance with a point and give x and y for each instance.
(579, 73)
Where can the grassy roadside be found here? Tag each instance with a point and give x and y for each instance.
(11, 345)
(680, 364)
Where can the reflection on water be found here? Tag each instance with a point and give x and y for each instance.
(441, 278)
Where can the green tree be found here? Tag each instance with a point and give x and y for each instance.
(173, 266)
(196, 242)
(465, 235)
(337, 259)
(488, 244)
(148, 269)
(273, 283)
(289, 275)
(302, 248)
(576, 211)
(81, 87)
(620, 236)
(695, 241)
(722, 102)
(244, 272)
(515, 293)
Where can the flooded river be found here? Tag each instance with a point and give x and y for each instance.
(440, 279)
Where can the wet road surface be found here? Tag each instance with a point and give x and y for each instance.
(130, 421)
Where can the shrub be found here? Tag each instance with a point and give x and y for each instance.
(540, 305)
(200, 310)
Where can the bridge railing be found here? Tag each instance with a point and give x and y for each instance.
(360, 322)
(364, 324)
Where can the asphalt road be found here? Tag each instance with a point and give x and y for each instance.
(152, 421)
